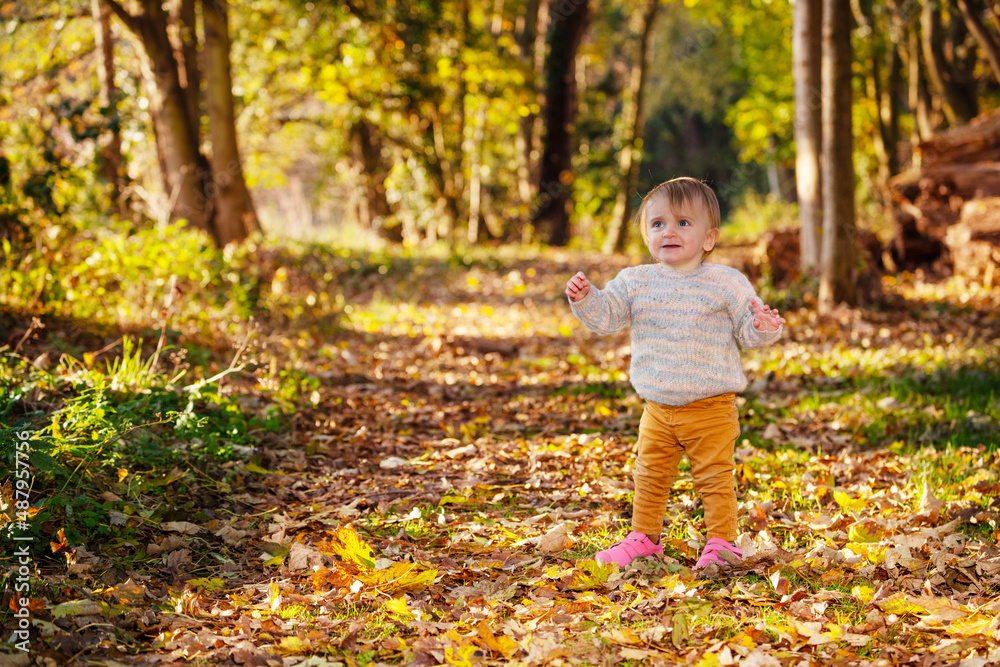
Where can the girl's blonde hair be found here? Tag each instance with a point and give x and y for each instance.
(678, 192)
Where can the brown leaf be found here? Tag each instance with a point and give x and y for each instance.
(177, 558)
(779, 582)
(182, 527)
(557, 539)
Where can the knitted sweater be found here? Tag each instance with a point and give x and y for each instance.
(685, 326)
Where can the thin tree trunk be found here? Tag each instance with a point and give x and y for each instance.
(568, 23)
(475, 174)
(883, 140)
(531, 46)
(461, 88)
(807, 53)
(837, 257)
(987, 42)
(111, 153)
(919, 97)
(888, 109)
(954, 101)
(873, 88)
(235, 218)
(633, 121)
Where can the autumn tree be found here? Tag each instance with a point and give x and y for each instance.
(568, 21)
(633, 121)
(807, 55)
(111, 153)
(837, 256)
(211, 194)
(951, 77)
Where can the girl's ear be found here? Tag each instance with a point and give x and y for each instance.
(710, 239)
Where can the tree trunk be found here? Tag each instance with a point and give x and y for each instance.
(475, 173)
(888, 109)
(807, 50)
(633, 121)
(531, 46)
(973, 16)
(837, 256)
(919, 96)
(235, 218)
(184, 167)
(374, 207)
(958, 108)
(184, 14)
(111, 152)
(551, 219)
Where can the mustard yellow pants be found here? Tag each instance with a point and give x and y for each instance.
(707, 431)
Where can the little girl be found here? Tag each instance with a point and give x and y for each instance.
(686, 319)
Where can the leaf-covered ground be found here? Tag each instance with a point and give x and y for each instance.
(461, 447)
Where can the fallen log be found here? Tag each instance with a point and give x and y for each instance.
(958, 166)
(979, 141)
(974, 242)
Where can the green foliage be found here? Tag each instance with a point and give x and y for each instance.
(757, 214)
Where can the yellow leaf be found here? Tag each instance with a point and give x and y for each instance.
(253, 467)
(863, 594)
(398, 607)
(973, 624)
(589, 574)
(847, 503)
(864, 533)
(900, 605)
(565, 330)
(503, 644)
(76, 608)
(621, 636)
(708, 660)
(463, 656)
(350, 548)
(744, 640)
(294, 646)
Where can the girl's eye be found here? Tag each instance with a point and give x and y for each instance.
(683, 223)
(657, 223)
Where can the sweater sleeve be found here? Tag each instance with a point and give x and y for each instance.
(742, 315)
(605, 311)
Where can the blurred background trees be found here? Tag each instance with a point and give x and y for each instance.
(492, 121)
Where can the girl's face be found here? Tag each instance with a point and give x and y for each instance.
(678, 236)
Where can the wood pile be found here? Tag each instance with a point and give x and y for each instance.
(778, 252)
(948, 209)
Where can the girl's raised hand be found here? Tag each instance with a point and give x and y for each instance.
(765, 319)
(577, 287)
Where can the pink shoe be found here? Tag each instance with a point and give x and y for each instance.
(627, 550)
(711, 555)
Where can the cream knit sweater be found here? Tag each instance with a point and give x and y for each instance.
(685, 326)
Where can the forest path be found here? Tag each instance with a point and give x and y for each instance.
(462, 447)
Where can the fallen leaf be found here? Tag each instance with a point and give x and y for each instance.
(182, 527)
(557, 539)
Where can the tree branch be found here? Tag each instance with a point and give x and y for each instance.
(121, 13)
(43, 17)
(974, 22)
